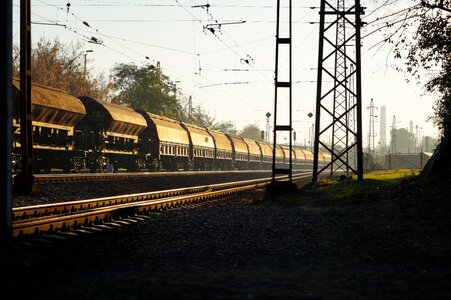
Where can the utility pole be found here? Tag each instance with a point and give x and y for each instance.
(312, 136)
(383, 127)
(84, 69)
(190, 108)
(24, 181)
(351, 155)
(268, 126)
(285, 44)
(371, 131)
(415, 140)
(393, 135)
(311, 133)
(333, 106)
(6, 28)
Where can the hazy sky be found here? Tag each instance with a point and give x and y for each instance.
(230, 72)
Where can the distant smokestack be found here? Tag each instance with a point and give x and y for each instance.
(383, 127)
(411, 126)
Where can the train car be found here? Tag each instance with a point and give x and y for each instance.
(240, 153)
(112, 135)
(286, 153)
(309, 156)
(266, 155)
(74, 133)
(202, 147)
(54, 114)
(300, 162)
(326, 158)
(164, 144)
(255, 154)
(280, 157)
(223, 150)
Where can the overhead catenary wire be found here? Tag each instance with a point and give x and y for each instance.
(246, 59)
(204, 26)
(84, 37)
(119, 3)
(87, 38)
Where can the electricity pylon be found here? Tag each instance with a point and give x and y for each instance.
(338, 104)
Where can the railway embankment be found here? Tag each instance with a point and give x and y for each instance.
(338, 239)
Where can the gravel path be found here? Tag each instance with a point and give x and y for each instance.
(394, 246)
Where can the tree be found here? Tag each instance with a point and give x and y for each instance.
(429, 52)
(251, 132)
(201, 118)
(62, 67)
(146, 88)
(432, 49)
(402, 141)
(226, 127)
(428, 143)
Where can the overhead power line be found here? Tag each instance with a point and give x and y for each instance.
(243, 59)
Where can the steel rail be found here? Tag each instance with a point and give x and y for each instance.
(95, 215)
(79, 205)
(35, 211)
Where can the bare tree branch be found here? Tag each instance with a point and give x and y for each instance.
(439, 6)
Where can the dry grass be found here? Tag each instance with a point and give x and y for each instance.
(394, 174)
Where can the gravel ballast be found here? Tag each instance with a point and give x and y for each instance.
(396, 246)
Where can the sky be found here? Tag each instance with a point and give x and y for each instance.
(229, 72)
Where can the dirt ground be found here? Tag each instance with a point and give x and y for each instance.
(390, 243)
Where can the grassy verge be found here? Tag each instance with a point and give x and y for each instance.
(336, 190)
(395, 174)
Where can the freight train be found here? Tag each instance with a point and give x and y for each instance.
(81, 133)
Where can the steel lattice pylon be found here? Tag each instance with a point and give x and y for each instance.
(286, 85)
(338, 127)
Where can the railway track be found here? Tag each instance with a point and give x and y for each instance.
(49, 219)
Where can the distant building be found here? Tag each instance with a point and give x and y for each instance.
(407, 160)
